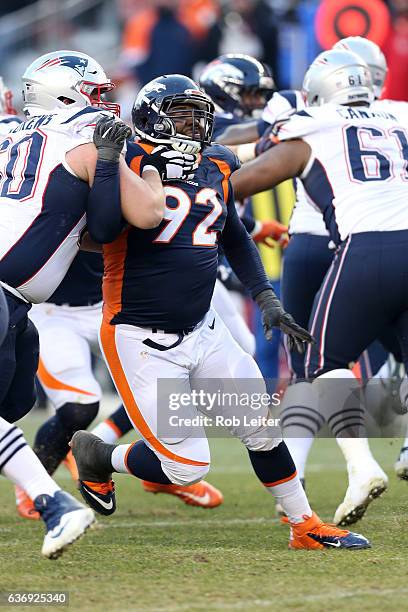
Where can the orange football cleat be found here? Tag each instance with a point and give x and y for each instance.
(312, 533)
(199, 494)
(71, 465)
(25, 505)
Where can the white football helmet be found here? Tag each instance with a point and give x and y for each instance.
(371, 54)
(64, 79)
(6, 100)
(337, 76)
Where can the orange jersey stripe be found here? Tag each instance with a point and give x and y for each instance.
(278, 482)
(226, 172)
(119, 377)
(48, 380)
(114, 256)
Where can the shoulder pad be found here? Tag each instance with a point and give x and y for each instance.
(222, 154)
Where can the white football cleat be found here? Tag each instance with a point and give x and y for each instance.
(364, 487)
(65, 520)
(401, 466)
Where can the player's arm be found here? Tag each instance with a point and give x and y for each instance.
(239, 133)
(245, 261)
(285, 160)
(116, 194)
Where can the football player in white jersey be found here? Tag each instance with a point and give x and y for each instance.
(377, 63)
(60, 175)
(363, 173)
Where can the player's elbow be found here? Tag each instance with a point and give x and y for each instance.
(151, 221)
(103, 234)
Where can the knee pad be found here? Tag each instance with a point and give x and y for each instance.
(77, 416)
(182, 474)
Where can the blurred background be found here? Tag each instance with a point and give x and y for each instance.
(137, 40)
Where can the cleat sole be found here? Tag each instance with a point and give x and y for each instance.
(358, 512)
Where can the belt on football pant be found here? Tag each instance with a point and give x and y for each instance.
(180, 333)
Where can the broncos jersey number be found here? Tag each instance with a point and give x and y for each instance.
(175, 216)
(370, 152)
(20, 165)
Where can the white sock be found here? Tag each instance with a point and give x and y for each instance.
(292, 497)
(106, 432)
(356, 451)
(299, 448)
(20, 464)
(118, 458)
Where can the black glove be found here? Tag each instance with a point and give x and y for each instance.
(109, 138)
(171, 165)
(265, 142)
(273, 315)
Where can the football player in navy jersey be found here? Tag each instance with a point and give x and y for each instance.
(62, 172)
(158, 322)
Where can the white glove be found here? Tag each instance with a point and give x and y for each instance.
(171, 165)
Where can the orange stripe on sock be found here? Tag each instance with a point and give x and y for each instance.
(48, 380)
(109, 348)
(278, 482)
(126, 457)
(114, 427)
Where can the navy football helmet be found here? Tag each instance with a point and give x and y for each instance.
(173, 109)
(237, 83)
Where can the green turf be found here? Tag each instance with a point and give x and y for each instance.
(156, 553)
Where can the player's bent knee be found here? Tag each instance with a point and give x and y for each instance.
(182, 474)
(78, 416)
(259, 444)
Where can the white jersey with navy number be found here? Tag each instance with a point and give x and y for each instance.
(358, 171)
(8, 122)
(42, 202)
(397, 108)
(306, 218)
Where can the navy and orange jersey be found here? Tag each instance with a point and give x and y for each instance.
(82, 284)
(165, 277)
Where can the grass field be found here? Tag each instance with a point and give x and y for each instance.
(156, 553)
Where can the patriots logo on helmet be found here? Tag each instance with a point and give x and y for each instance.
(78, 64)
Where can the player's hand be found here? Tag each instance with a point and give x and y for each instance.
(266, 141)
(273, 315)
(271, 232)
(170, 164)
(109, 138)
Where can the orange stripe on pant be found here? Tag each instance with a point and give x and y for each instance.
(278, 482)
(48, 380)
(120, 380)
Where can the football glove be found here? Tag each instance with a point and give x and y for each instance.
(273, 315)
(269, 232)
(267, 140)
(170, 164)
(109, 138)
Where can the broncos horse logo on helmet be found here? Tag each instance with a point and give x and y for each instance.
(238, 84)
(173, 109)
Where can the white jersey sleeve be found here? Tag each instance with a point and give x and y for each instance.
(306, 218)
(8, 122)
(43, 204)
(357, 174)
